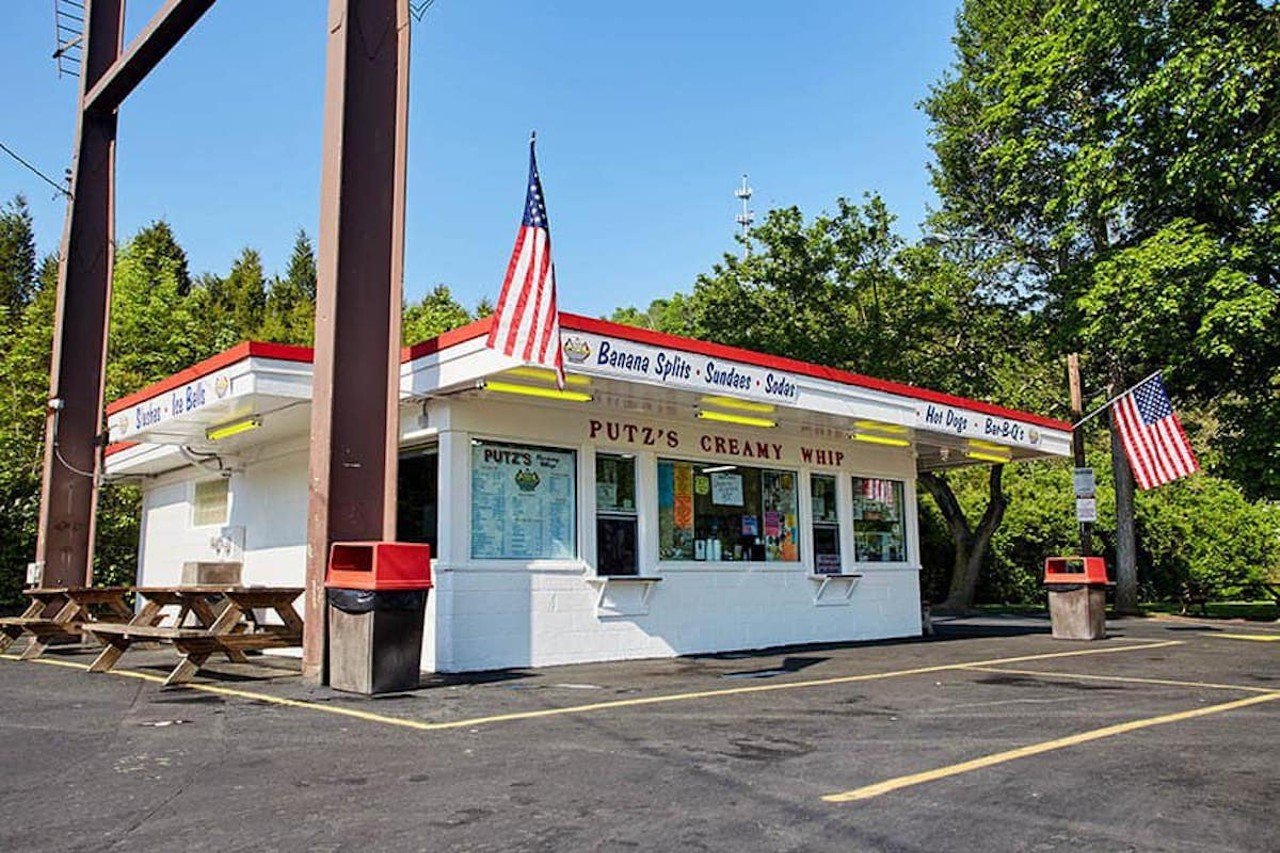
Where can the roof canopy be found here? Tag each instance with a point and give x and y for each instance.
(255, 394)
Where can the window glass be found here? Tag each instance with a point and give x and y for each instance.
(615, 483)
(417, 501)
(879, 533)
(211, 503)
(522, 502)
(722, 513)
(826, 525)
(616, 524)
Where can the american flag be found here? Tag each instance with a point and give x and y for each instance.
(1153, 440)
(527, 324)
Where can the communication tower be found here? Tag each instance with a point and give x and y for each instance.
(747, 216)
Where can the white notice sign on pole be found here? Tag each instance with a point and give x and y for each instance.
(1086, 509)
(1083, 480)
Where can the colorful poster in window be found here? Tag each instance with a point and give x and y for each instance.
(522, 502)
(743, 514)
(772, 523)
(684, 479)
(778, 494)
(675, 511)
(684, 512)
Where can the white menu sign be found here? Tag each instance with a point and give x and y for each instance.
(522, 502)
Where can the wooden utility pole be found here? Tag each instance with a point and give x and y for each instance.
(73, 429)
(1077, 440)
(1126, 534)
(360, 271)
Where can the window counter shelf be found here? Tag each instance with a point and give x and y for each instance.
(841, 586)
(623, 595)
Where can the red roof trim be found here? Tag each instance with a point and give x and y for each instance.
(112, 449)
(286, 352)
(714, 350)
(239, 352)
(462, 334)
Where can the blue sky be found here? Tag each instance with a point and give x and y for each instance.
(647, 115)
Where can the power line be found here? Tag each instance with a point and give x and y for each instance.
(48, 180)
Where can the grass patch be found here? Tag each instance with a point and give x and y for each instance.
(1254, 611)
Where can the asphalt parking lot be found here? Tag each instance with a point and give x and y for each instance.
(990, 736)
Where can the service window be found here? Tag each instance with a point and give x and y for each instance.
(417, 501)
(721, 513)
(826, 525)
(210, 503)
(879, 532)
(522, 502)
(616, 521)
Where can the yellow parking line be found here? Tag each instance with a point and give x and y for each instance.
(1261, 638)
(1162, 682)
(244, 694)
(618, 703)
(869, 791)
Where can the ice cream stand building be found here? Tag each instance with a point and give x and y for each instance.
(675, 497)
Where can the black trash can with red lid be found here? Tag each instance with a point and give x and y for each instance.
(377, 595)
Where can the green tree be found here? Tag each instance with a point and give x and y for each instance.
(291, 301)
(245, 294)
(157, 244)
(24, 390)
(18, 279)
(844, 290)
(434, 313)
(1117, 160)
(662, 315)
(153, 332)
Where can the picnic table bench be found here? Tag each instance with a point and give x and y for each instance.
(72, 608)
(227, 624)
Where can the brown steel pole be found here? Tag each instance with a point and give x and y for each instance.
(1077, 440)
(355, 397)
(68, 493)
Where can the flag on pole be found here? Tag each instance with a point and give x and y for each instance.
(527, 323)
(1152, 437)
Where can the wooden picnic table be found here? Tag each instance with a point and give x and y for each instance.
(226, 624)
(61, 613)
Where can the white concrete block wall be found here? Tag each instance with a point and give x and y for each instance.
(268, 499)
(504, 619)
(168, 537)
(497, 614)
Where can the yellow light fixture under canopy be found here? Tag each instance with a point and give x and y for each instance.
(534, 391)
(546, 375)
(743, 420)
(234, 428)
(881, 426)
(735, 403)
(886, 440)
(979, 444)
(987, 457)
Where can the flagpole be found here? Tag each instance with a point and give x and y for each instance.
(1107, 404)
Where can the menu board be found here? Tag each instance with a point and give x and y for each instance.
(726, 489)
(522, 502)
